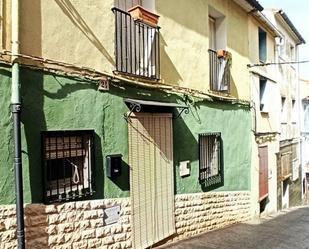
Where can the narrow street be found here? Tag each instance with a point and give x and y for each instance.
(288, 230)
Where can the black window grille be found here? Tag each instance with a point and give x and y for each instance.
(220, 72)
(67, 158)
(210, 159)
(137, 48)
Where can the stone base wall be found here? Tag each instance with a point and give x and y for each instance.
(67, 226)
(202, 212)
(81, 224)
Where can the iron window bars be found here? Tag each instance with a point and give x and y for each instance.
(210, 158)
(219, 70)
(67, 160)
(136, 47)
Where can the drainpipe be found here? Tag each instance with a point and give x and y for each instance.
(299, 122)
(16, 111)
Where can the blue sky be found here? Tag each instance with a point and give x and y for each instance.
(298, 12)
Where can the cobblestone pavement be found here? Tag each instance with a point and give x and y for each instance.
(287, 230)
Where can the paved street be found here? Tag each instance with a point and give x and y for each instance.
(288, 230)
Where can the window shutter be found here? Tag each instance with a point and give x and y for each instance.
(151, 178)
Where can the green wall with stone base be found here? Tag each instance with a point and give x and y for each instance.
(54, 102)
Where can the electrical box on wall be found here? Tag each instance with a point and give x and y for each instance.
(184, 168)
(113, 165)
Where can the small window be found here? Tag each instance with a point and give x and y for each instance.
(262, 45)
(294, 111)
(263, 95)
(210, 161)
(283, 110)
(67, 165)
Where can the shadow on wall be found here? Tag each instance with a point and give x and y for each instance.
(35, 120)
(31, 28)
(233, 87)
(70, 11)
(169, 73)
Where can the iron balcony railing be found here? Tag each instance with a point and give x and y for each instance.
(220, 76)
(137, 47)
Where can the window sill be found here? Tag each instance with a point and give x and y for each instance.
(264, 113)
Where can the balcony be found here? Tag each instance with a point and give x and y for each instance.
(219, 69)
(137, 47)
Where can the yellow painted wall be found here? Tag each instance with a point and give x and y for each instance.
(184, 43)
(81, 32)
(74, 31)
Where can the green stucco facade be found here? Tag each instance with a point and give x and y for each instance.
(53, 102)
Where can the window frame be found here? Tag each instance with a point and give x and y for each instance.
(262, 38)
(85, 187)
(204, 178)
(263, 95)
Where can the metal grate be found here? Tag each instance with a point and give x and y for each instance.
(136, 46)
(219, 70)
(210, 161)
(67, 158)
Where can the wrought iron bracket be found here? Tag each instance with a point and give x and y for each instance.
(134, 107)
(183, 109)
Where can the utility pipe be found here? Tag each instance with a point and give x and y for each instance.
(16, 111)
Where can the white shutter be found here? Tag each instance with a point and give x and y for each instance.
(152, 186)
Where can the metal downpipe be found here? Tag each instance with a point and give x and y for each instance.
(16, 112)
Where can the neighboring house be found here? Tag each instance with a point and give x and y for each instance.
(265, 97)
(304, 132)
(132, 133)
(289, 171)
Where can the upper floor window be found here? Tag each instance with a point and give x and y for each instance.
(262, 45)
(217, 34)
(294, 111)
(305, 116)
(219, 58)
(137, 48)
(292, 52)
(263, 95)
(67, 158)
(283, 110)
(212, 33)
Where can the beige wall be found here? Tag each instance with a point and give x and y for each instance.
(82, 32)
(184, 43)
(267, 123)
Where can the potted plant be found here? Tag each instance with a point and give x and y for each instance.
(138, 13)
(226, 55)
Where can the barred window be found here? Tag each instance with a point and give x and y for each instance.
(210, 161)
(67, 164)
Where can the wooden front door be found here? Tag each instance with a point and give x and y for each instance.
(263, 172)
(151, 178)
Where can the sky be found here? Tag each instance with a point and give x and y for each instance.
(298, 13)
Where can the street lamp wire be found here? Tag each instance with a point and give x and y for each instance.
(276, 63)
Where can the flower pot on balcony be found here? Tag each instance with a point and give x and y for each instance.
(221, 53)
(226, 55)
(138, 13)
